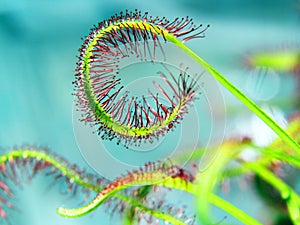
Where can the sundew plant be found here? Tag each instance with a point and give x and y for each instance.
(130, 121)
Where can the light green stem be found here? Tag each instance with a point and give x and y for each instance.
(268, 176)
(236, 212)
(240, 95)
(287, 193)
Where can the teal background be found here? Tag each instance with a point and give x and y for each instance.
(38, 45)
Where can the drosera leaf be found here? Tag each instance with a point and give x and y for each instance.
(20, 165)
(171, 177)
(31, 161)
(163, 176)
(124, 29)
(42, 159)
(131, 119)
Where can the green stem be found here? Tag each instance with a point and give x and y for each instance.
(287, 193)
(268, 176)
(237, 93)
(236, 212)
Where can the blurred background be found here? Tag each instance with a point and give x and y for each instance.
(39, 41)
